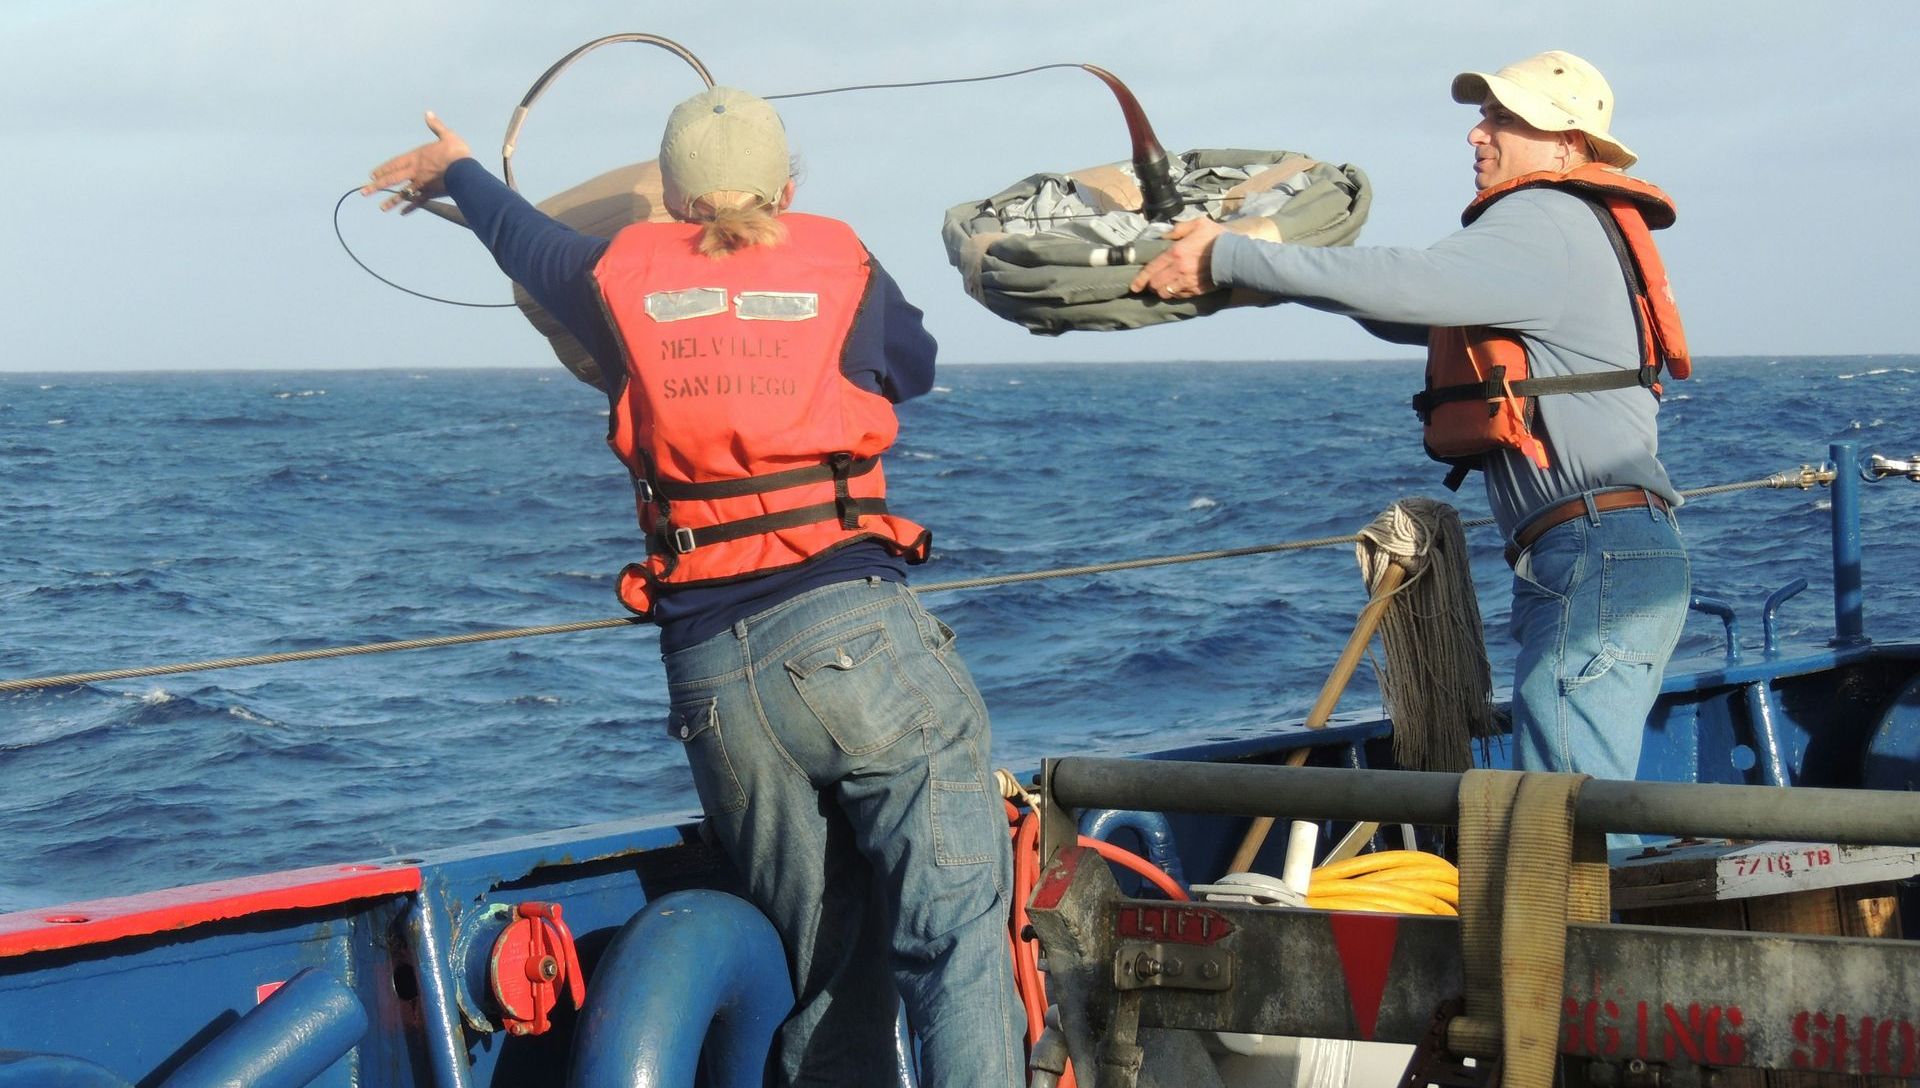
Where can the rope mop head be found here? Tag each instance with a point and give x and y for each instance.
(1436, 683)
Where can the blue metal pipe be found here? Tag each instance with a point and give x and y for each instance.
(1714, 606)
(693, 967)
(1849, 619)
(284, 1042)
(1156, 835)
(1766, 733)
(1769, 645)
(433, 965)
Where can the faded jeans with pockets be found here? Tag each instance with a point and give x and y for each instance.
(1598, 604)
(840, 749)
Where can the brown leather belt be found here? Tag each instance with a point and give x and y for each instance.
(1561, 513)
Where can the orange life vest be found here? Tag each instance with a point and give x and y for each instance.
(1479, 396)
(750, 452)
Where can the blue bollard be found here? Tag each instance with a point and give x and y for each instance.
(693, 968)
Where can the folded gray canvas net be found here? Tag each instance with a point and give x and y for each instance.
(1057, 251)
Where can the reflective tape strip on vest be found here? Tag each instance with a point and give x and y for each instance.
(750, 451)
(1479, 395)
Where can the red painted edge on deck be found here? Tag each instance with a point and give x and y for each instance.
(98, 921)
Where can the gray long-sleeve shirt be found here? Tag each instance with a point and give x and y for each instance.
(1536, 262)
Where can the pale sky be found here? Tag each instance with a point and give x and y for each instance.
(171, 167)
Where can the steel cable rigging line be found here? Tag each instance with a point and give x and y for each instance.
(1803, 478)
(1148, 156)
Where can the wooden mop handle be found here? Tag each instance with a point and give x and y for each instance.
(1343, 669)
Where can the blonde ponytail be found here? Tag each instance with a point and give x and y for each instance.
(733, 221)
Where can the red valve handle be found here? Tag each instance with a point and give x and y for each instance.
(570, 966)
(532, 959)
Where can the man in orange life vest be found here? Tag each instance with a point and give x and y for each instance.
(751, 357)
(1549, 325)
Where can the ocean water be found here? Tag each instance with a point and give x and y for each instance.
(154, 518)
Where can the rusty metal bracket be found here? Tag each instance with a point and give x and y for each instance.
(1143, 965)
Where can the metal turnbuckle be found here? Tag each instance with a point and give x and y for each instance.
(1812, 476)
(1882, 467)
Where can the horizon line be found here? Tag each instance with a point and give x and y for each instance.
(554, 366)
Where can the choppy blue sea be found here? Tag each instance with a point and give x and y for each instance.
(154, 518)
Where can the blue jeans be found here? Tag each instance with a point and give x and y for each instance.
(1598, 604)
(840, 749)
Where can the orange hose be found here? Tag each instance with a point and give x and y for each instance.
(1025, 829)
(1127, 859)
(1026, 954)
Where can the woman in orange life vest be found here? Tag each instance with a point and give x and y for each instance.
(752, 357)
(1549, 324)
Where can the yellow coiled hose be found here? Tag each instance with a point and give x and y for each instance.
(1395, 881)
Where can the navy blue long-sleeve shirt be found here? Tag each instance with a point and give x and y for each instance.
(888, 351)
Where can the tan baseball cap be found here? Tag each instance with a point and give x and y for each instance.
(722, 139)
(1554, 92)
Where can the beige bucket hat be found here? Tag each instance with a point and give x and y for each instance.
(722, 139)
(1554, 92)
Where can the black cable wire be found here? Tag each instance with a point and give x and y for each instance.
(772, 97)
(1805, 479)
(338, 204)
(917, 83)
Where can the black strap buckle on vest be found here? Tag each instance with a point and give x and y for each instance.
(1495, 387)
(1492, 390)
(759, 485)
(673, 542)
(840, 463)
